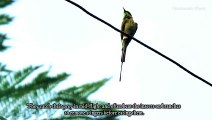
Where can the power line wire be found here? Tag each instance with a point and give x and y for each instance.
(145, 45)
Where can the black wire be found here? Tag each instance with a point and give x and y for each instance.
(152, 49)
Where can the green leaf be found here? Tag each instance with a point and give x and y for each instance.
(3, 37)
(87, 89)
(5, 19)
(4, 69)
(4, 3)
(12, 80)
(2, 118)
(3, 48)
(45, 83)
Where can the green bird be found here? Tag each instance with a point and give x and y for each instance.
(129, 27)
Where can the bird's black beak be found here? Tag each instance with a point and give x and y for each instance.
(124, 9)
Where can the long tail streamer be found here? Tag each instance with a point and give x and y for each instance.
(120, 72)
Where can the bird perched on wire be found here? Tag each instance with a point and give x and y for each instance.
(129, 27)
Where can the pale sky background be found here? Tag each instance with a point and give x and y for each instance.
(56, 33)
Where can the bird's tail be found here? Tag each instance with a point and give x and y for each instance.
(123, 55)
(122, 60)
(120, 72)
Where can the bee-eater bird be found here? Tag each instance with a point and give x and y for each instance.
(129, 27)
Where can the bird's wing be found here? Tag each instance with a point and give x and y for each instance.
(123, 27)
(130, 27)
(135, 27)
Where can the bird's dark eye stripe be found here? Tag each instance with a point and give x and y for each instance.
(128, 13)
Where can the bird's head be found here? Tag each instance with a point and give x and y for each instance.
(127, 14)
